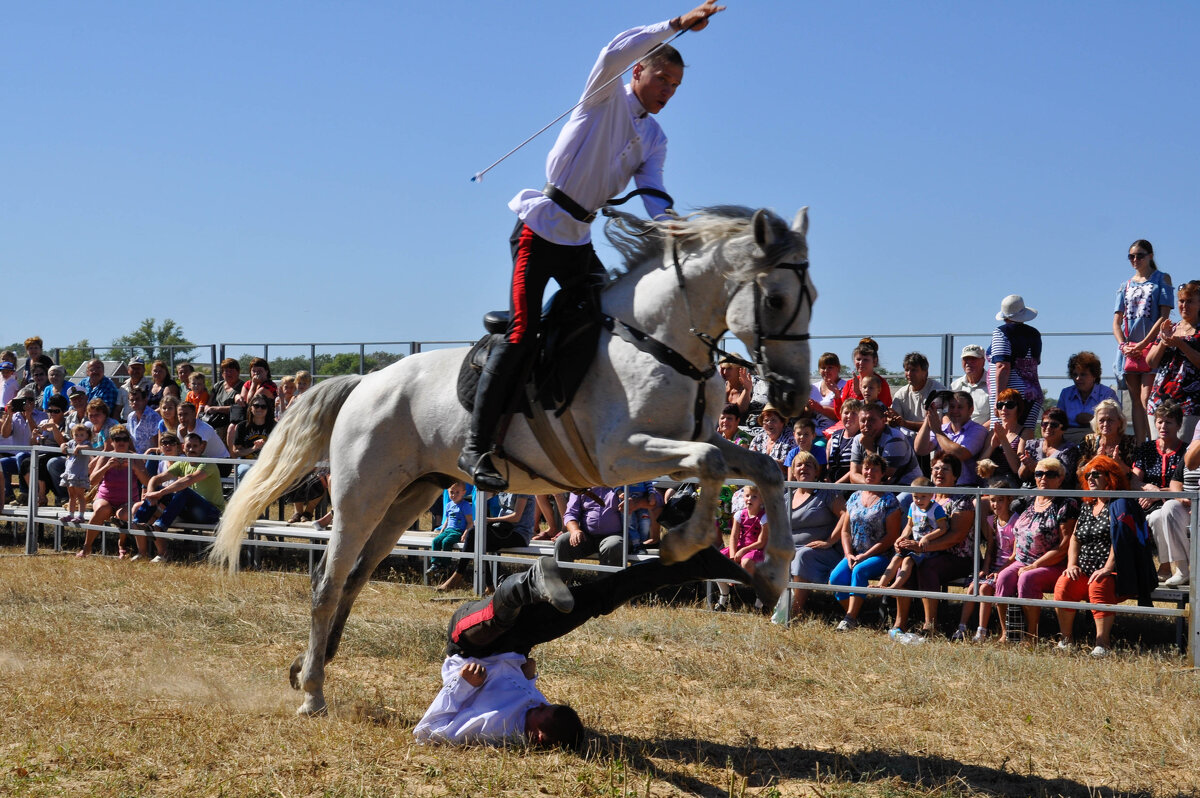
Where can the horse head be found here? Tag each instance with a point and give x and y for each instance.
(772, 317)
(762, 292)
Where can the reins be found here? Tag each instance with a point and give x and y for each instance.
(670, 357)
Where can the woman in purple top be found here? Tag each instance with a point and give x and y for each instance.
(1043, 532)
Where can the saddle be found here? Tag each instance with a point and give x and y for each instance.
(565, 348)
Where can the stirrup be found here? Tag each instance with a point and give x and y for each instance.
(483, 472)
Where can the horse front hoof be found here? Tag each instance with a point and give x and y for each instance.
(672, 548)
(767, 589)
(313, 707)
(294, 671)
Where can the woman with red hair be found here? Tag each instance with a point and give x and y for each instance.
(1107, 554)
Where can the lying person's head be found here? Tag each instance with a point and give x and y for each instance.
(553, 724)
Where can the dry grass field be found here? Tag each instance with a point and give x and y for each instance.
(124, 679)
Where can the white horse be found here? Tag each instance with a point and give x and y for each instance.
(393, 437)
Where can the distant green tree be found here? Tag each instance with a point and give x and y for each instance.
(347, 362)
(282, 366)
(153, 341)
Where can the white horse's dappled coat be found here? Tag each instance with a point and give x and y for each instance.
(391, 435)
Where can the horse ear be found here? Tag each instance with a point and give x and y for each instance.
(800, 223)
(765, 234)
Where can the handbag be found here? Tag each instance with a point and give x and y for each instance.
(1134, 361)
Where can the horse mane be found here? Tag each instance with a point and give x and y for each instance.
(640, 242)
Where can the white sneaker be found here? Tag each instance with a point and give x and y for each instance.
(1063, 645)
(1099, 651)
(1178, 579)
(160, 559)
(981, 635)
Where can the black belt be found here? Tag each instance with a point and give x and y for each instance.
(581, 214)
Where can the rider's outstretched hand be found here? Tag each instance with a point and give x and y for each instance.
(697, 18)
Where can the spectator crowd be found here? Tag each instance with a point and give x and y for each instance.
(874, 461)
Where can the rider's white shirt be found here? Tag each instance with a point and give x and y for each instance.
(606, 141)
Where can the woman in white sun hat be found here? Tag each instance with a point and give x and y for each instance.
(1015, 353)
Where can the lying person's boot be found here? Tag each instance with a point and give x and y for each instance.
(542, 583)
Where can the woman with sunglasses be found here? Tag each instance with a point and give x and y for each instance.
(51, 432)
(1176, 358)
(246, 438)
(1106, 563)
(1042, 533)
(117, 491)
(1006, 447)
(1143, 303)
(1109, 438)
(1053, 443)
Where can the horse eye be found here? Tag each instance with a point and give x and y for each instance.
(775, 301)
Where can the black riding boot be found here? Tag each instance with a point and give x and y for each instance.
(502, 373)
(541, 583)
(478, 624)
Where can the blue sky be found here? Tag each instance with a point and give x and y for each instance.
(300, 171)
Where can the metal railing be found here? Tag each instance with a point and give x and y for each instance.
(483, 559)
(942, 350)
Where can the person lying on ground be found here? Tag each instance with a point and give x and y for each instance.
(488, 693)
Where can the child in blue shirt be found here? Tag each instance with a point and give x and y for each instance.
(926, 520)
(456, 517)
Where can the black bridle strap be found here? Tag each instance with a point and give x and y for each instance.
(668, 357)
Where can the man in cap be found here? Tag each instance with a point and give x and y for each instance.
(974, 382)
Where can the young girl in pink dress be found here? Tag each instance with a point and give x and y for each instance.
(747, 540)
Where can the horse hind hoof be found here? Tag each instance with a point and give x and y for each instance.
(313, 707)
(294, 671)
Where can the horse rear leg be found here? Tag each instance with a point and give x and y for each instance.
(414, 500)
(332, 600)
(354, 522)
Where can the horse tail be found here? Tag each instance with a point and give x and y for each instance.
(295, 446)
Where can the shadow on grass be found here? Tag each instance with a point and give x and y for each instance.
(892, 772)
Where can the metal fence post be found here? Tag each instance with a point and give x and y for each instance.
(31, 494)
(480, 532)
(947, 358)
(1194, 621)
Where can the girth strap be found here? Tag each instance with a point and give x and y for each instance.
(668, 357)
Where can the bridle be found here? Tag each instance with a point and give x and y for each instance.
(761, 366)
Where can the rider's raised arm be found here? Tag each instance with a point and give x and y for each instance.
(620, 54)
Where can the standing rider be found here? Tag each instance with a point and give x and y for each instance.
(608, 139)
